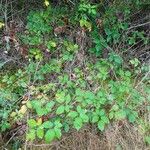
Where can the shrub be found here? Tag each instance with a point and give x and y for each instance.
(52, 98)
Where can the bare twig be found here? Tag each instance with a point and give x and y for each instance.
(139, 25)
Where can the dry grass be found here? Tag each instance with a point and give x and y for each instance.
(117, 136)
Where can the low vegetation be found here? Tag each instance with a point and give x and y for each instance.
(75, 64)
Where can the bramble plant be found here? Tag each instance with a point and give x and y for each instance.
(74, 105)
(55, 93)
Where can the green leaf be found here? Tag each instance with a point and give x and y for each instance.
(79, 92)
(115, 107)
(40, 133)
(36, 104)
(79, 109)
(66, 127)
(73, 114)
(41, 111)
(102, 100)
(52, 43)
(102, 112)
(78, 123)
(93, 11)
(29, 105)
(60, 110)
(105, 119)
(50, 135)
(89, 95)
(147, 139)
(101, 125)
(47, 124)
(58, 133)
(95, 118)
(128, 73)
(79, 99)
(58, 124)
(84, 117)
(31, 135)
(68, 98)
(131, 118)
(32, 123)
(67, 108)
(120, 114)
(50, 105)
(60, 97)
(111, 115)
(5, 126)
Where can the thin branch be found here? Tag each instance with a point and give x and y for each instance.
(71, 2)
(139, 25)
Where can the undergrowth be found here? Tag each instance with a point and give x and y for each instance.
(76, 73)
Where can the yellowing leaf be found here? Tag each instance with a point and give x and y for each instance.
(53, 44)
(46, 3)
(23, 109)
(32, 123)
(39, 121)
(24, 102)
(85, 23)
(29, 105)
(13, 114)
(1, 24)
